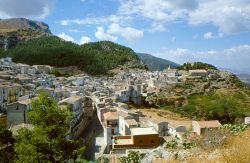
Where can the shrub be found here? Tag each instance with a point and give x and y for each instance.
(102, 159)
(188, 145)
(196, 65)
(225, 108)
(234, 128)
(171, 144)
(57, 73)
(133, 157)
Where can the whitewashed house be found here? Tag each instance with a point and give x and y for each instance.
(75, 103)
(17, 112)
(200, 127)
(124, 95)
(110, 126)
(176, 130)
(78, 81)
(9, 93)
(160, 126)
(198, 72)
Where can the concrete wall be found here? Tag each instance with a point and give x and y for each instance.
(124, 96)
(139, 141)
(196, 128)
(146, 141)
(17, 114)
(80, 126)
(162, 129)
(122, 130)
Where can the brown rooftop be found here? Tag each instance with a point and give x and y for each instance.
(156, 121)
(111, 116)
(123, 114)
(199, 70)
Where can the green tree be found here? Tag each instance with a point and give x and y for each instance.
(93, 58)
(47, 141)
(196, 65)
(225, 108)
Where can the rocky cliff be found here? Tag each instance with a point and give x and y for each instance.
(15, 24)
(16, 29)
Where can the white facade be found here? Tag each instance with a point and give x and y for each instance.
(247, 120)
(17, 112)
(124, 96)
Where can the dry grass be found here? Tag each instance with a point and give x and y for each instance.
(237, 149)
(166, 115)
(7, 30)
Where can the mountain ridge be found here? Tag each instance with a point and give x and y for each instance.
(156, 63)
(15, 24)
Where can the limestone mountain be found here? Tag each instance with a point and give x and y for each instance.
(17, 29)
(16, 24)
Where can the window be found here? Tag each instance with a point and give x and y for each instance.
(113, 131)
(141, 141)
(17, 107)
(152, 141)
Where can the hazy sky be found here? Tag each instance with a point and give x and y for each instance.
(212, 31)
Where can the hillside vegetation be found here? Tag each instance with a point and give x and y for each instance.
(196, 65)
(93, 58)
(223, 107)
(155, 63)
(226, 99)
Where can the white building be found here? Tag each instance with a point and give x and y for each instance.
(199, 72)
(176, 130)
(75, 103)
(160, 126)
(17, 112)
(200, 127)
(247, 120)
(110, 126)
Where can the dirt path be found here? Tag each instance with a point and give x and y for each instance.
(167, 116)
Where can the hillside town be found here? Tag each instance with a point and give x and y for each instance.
(106, 98)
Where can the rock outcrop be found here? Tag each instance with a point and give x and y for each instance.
(14, 24)
(17, 29)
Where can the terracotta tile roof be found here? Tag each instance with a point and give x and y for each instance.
(198, 71)
(111, 116)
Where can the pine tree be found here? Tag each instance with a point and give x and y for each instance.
(47, 141)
